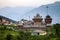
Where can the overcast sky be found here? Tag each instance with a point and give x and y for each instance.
(25, 3)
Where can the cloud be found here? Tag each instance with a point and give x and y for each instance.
(32, 3)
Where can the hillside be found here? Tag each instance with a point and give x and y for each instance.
(8, 19)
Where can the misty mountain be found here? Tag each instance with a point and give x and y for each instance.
(53, 11)
(14, 12)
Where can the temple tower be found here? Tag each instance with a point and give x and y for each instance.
(37, 20)
(48, 19)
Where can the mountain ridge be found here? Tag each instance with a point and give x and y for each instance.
(53, 11)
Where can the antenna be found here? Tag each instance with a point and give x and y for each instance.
(47, 9)
(29, 17)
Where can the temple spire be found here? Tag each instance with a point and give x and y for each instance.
(37, 15)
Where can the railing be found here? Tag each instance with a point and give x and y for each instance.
(35, 26)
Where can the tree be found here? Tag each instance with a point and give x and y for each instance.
(57, 29)
(8, 37)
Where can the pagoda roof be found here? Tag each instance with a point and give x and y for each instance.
(37, 16)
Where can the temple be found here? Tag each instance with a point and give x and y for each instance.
(37, 26)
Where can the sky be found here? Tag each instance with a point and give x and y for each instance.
(10, 8)
(25, 3)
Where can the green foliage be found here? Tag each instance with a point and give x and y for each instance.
(24, 35)
(9, 34)
(8, 37)
(57, 29)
